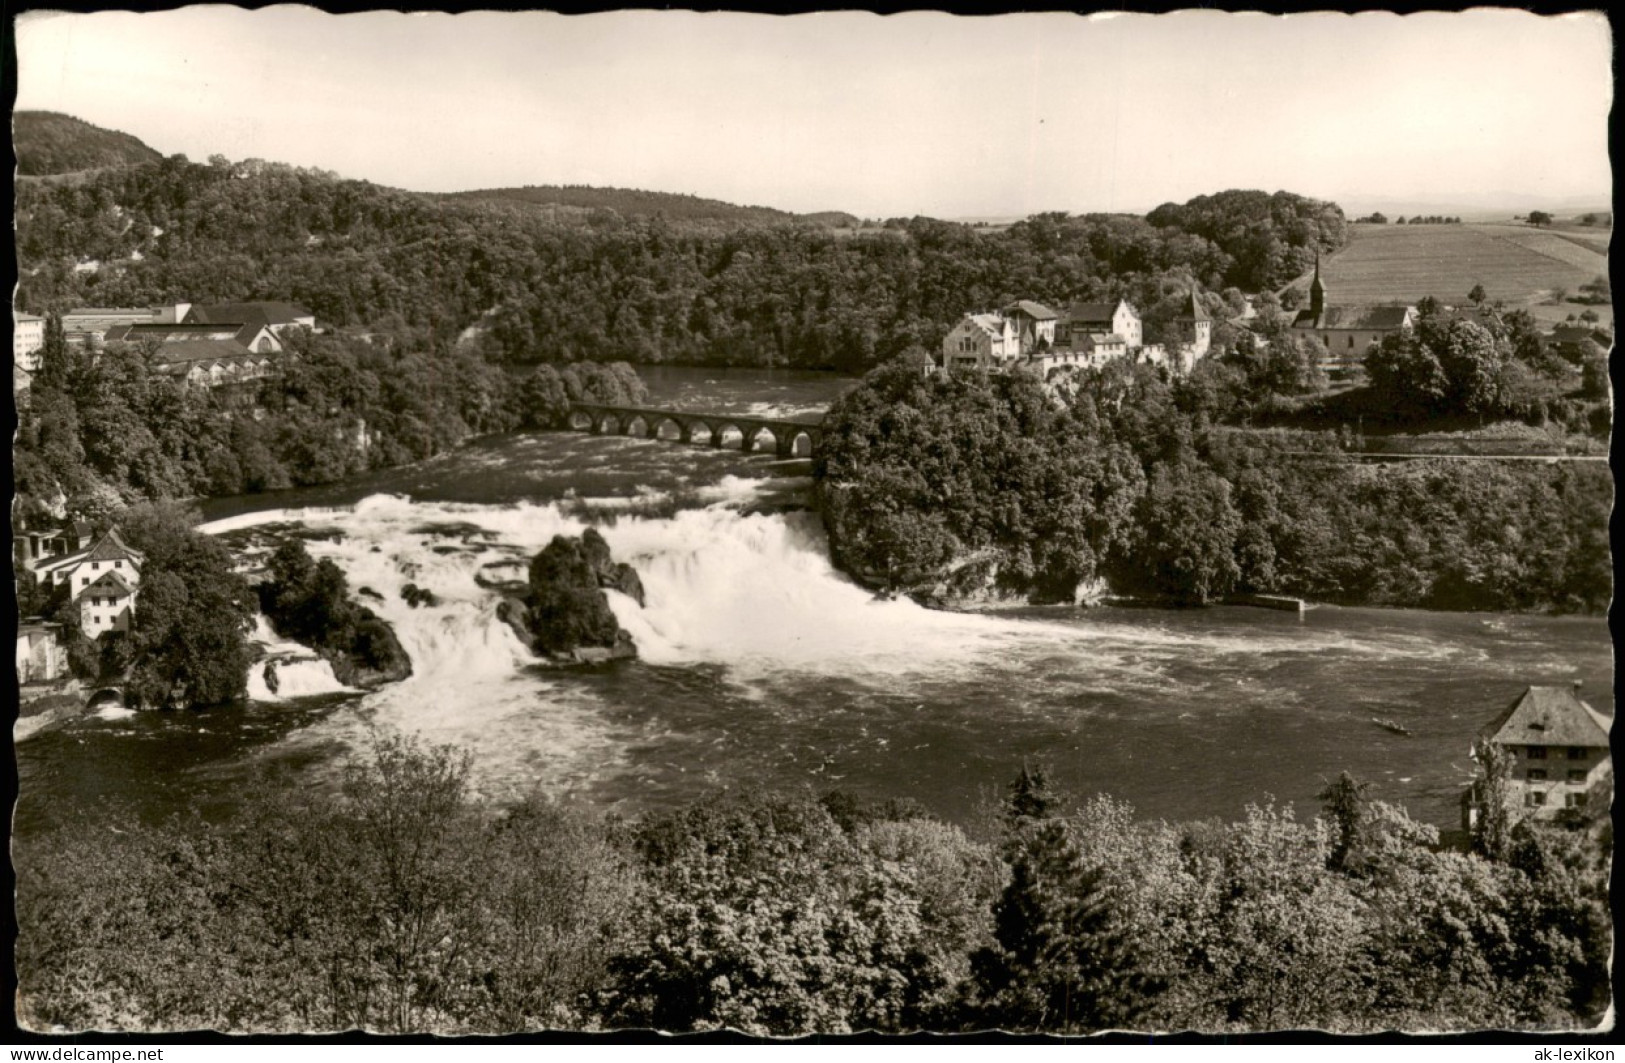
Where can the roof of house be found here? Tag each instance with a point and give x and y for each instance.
(1573, 333)
(249, 313)
(108, 548)
(1550, 716)
(111, 547)
(1373, 318)
(1102, 339)
(18, 315)
(1192, 310)
(170, 333)
(111, 584)
(1087, 312)
(203, 350)
(101, 311)
(989, 323)
(1037, 311)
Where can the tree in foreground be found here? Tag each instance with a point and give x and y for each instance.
(1062, 961)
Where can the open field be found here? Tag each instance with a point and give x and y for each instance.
(1517, 264)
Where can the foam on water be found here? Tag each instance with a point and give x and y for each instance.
(755, 594)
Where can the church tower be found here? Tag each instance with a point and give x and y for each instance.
(1317, 292)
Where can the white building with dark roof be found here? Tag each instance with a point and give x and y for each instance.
(1557, 750)
(107, 604)
(80, 569)
(1100, 319)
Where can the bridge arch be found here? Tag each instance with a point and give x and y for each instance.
(793, 441)
(582, 421)
(752, 438)
(638, 425)
(661, 422)
(105, 696)
(720, 434)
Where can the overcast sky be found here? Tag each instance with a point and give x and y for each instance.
(881, 116)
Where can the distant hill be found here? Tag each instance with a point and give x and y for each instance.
(50, 143)
(629, 202)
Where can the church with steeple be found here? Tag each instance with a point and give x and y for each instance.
(1348, 330)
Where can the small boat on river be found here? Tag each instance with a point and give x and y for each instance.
(1389, 725)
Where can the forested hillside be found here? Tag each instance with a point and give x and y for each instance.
(630, 202)
(612, 288)
(51, 143)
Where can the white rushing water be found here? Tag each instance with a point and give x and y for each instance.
(752, 595)
(299, 672)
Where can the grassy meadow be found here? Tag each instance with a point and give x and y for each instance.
(1518, 264)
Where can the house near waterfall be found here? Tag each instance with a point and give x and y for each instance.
(101, 579)
(1557, 750)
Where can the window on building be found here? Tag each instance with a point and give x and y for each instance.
(1536, 753)
(1575, 801)
(1535, 797)
(1575, 775)
(1578, 752)
(118, 564)
(1536, 775)
(1351, 343)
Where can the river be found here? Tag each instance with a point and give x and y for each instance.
(762, 666)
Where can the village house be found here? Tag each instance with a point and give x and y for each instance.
(1347, 331)
(27, 337)
(40, 655)
(1088, 335)
(1574, 342)
(1100, 319)
(981, 342)
(1035, 324)
(102, 579)
(81, 568)
(30, 547)
(1557, 749)
(108, 604)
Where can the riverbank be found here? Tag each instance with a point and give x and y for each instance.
(41, 706)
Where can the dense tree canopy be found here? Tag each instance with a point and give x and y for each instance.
(953, 487)
(188, 641)
(399, 903)
(597, 286)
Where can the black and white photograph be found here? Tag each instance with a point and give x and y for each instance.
(812, 526)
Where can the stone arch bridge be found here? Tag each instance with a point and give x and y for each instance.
(791, 439)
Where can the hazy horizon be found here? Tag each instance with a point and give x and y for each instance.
(880, 116)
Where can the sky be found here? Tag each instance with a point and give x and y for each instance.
(882, 116)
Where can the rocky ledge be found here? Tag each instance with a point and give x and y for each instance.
(373, 657)
(563, 614)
